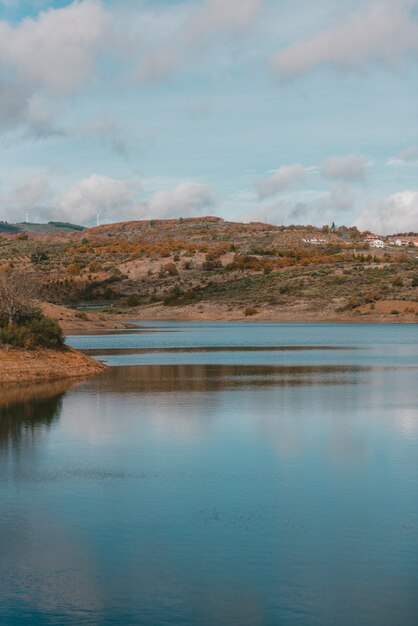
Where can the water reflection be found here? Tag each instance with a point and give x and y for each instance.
(202, 494)
(203, 349)
(24, 410)
(208, 377)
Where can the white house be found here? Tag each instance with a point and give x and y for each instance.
(314, 241)
(377, 243)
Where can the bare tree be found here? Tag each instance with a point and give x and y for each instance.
(17, 296)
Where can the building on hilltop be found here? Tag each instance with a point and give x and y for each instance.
(377, 243)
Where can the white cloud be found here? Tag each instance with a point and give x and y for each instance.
(215, 16)
(408, 156)
(340, 197)
(285, 177)
(398, 213)
(195, 27)
(51, 55)
(112, 199)
(381, 33)
(351, 167)
(32, 195)
(307, 206)
(56, 50)
(187, 199)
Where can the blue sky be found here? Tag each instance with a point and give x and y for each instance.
(290, 112)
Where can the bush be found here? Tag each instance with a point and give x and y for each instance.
(39, 256)
(133, 300)
(34, 331)
(81, 315)
(169, 269)
(213, 265)
(250, 310)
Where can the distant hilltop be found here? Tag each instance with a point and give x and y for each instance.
(314, 234)
(196, 267)
(39, 229)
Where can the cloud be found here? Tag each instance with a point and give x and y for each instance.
(185, 200)
(408, 156)
(396, 214)
(105, 129)
(340, 197)
(112, 199)
(382, 33)
(58, 49)
(51, 55)
(206, 23)
(285, 177)
(29, 196)
(350, 168)
(215, 16)
(308, 206)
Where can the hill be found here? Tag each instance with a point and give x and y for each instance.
(207, 268)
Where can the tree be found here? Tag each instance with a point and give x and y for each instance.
(17, 297)
(22, 323)
(39, 256)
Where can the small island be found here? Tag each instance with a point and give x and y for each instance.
(32, 345)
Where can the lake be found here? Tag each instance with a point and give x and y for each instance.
(218, 473)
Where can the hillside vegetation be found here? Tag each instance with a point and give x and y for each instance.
(172, 266)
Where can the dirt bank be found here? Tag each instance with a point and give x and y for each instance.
(24, 366)
(384, 312)
(72, 321)
(388, 311)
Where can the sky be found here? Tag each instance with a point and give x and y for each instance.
(285, 111)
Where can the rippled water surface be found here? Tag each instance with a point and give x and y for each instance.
(216, 474)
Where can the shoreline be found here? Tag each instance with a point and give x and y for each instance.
(220, 313)
(42, 366)
(102, 322)
(19, 366)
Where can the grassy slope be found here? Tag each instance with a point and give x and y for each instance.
(188, 266)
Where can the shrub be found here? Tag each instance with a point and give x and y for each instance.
(210, 266)
(35, 331)
(169, 269)
(133, 300)
(39, 256)
(250, 310)
(81, 315)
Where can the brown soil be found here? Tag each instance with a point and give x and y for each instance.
(384, 312)
(18, 366)
(72, 321)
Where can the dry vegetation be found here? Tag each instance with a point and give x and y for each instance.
(182, 268)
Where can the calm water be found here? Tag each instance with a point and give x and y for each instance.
(237, 474)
